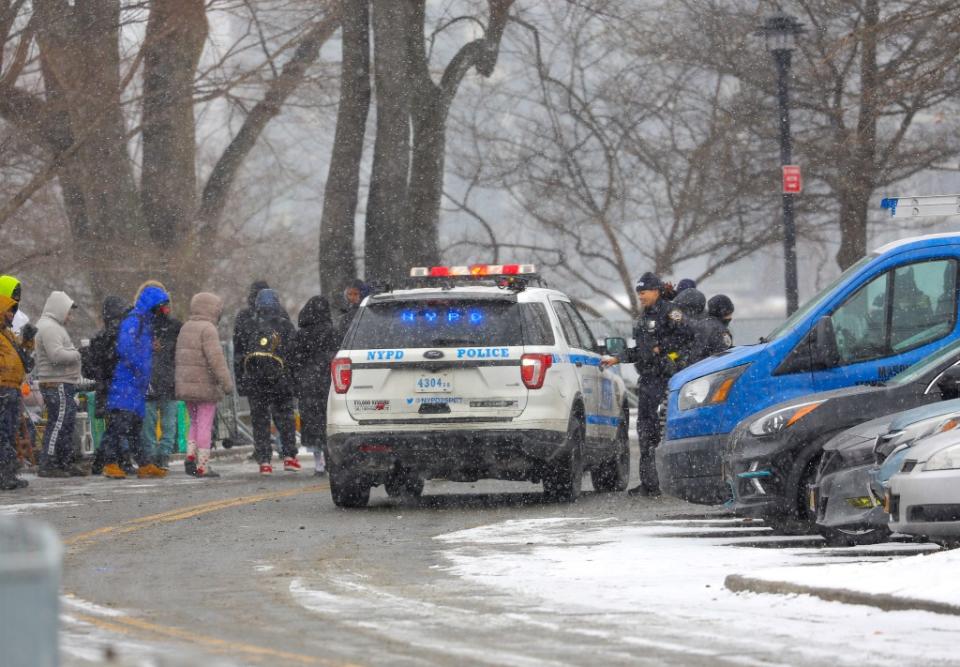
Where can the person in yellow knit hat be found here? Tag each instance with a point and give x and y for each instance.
(15, 363)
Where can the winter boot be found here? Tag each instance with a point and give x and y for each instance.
(9, 480)
(190, 463)
(114, 471)
(51, 470)
(203, 464)
(76, 470)
(149, 471)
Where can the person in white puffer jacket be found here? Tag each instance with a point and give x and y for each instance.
(58, 373)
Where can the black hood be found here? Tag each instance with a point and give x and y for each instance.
(255, 290)
(114, 308)
(315, 312)
(691, 301)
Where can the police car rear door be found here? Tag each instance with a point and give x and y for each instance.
(585, 360)
(441, 357)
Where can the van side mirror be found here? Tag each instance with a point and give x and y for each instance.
(614, 346)
(823, 345)
(949, 383)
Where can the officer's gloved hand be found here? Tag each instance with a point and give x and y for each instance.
(29, 333)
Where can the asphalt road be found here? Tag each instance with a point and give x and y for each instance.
(247, 570)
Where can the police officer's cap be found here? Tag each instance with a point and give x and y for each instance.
(649, 281)
(720, 306)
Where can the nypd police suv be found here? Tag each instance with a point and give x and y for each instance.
(469, 373)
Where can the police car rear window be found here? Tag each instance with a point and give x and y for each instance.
(438, 323)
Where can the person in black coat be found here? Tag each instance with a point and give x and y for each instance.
(314, 347)
(264, 350)
(242, 328)
(97, 363)
(161, 395)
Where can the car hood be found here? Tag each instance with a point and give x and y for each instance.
(926, 448)
(861, 435)
(844, 392)
(735, 356)
(902, 420)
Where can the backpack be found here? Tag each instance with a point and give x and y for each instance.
(101, 361)
(263, 362)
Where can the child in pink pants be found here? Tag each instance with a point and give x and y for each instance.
(202, 378)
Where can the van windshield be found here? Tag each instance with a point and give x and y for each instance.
(813, 303)
(928, 364)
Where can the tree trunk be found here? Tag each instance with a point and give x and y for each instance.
(79, 49)
(861, 179)
(337, 265)
(384, 242)
(426, 181)
(176, 33)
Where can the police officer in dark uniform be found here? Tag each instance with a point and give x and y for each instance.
(719, 314)
(663, 340)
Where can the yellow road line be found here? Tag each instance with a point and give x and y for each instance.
(80, 540)
(127, 625)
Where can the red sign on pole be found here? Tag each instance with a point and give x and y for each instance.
(792, 180)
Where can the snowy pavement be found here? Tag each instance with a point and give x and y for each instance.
(609, 574)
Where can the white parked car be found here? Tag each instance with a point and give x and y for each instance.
(924, 497)
(470, 373)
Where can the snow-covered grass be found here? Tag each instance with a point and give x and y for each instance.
(651, 581)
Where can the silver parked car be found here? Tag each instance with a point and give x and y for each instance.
(924, 497)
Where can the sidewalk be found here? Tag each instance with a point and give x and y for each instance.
(926, 582)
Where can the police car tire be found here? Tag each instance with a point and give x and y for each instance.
(614, 473)
(347, 489)
(404, 484)
(564, 478)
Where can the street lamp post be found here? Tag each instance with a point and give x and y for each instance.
(781, 31)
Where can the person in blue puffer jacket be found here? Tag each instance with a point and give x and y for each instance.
(127, 396)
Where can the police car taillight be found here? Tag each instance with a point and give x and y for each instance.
(533, 369)
(472, 270)
(342, 374)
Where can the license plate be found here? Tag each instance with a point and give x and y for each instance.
(435, 383)
(812, 499)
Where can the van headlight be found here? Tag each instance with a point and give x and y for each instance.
(945, 459)
(709, 389)
(773, 422)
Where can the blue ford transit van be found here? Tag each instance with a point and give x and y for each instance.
(890, 309)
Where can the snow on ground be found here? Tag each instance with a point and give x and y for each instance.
(618, 573)
(931, 577)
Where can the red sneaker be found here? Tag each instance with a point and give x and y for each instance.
(291, 464)
(266, 469)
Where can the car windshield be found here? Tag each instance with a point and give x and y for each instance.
(438, 323)
(813, 303)
(928, 364)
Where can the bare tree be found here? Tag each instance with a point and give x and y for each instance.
(72, 98)
(406, 183)
(337, 264)
(873, 90)
(634, 165)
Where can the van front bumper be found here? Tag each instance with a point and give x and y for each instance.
(691, 469)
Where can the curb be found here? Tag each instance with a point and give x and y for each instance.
(741, 584)
(237, 451)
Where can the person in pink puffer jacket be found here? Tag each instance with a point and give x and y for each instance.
(202, 378)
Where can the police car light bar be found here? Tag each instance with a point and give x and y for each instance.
(934, 206)
(474, 270)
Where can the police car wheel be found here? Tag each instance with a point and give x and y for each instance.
(347, 488)
(403, 484)
(564, 476)
(614, 473)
